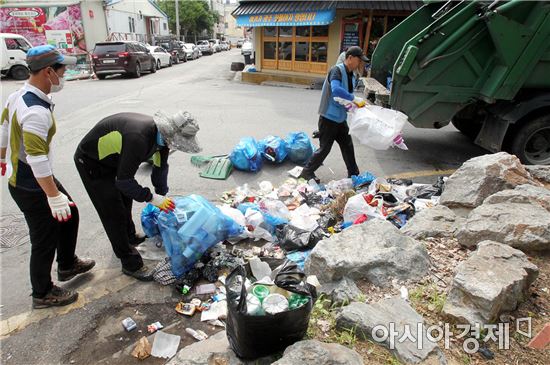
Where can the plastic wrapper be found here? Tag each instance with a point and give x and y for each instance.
(253, 336)
(246, 155)
(376, 127)
(362, 180)
(300, 148)
(274, 149)
(192, 228)
(149, 220)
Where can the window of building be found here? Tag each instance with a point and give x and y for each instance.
(165, 26)
(302, 49)
(131, 25)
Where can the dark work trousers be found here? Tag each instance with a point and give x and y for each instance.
(47, 236)
(330, 132)
(114, 210)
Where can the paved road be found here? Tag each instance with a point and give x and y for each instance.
(226, 110)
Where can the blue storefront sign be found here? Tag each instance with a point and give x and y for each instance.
(320, 17)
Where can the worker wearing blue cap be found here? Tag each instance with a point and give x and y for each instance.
(27, 129)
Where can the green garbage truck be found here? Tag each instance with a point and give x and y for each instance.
(482, 65)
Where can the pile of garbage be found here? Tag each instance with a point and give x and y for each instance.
(290, 219)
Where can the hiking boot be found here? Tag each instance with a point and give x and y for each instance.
(143, 274)
(80, 267)
(308, 177)
(56, 297)
(138, 239)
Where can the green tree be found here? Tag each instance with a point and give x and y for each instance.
(195, 16)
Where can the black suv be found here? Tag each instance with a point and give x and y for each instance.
(133, 58)
(173, 47)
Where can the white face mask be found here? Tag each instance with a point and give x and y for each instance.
(57, 87)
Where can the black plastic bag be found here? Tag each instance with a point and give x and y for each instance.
(252, 337)
(292, 238)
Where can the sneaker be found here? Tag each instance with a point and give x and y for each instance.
(315, 134)
(56, 297)
(138, 239)
(308, 177)
(80, 267)
(143, 274)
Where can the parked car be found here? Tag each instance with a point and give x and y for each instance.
(205, 47)
(240, 42)
(215, 45)
(191, 50)
(173, 47)
(246, 48)
(122, 57)
(13, 55)
(162, 57)
(225, 46)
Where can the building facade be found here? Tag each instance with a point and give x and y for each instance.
(306, 37)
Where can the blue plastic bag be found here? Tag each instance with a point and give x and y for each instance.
(193, 227)
(364, 179)
(246, 155)
(299, 146)
(273, 149)
(149, 220)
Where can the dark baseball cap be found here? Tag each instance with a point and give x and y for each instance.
(40, 57)
(356, 52)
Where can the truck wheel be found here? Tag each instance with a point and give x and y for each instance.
(101, 77)
(531, 143)
(470, 128)
(19, 72)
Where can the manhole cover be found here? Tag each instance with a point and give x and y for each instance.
(13, 231)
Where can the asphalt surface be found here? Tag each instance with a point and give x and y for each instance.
(226, 110)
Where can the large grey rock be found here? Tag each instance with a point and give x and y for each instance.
(493, 280)
(439, 221)
(319, 353)
(375, 250)
(214, 350)
(363, 318)
(341, 292)
(483, 176)
(540, 173)
(519, 218)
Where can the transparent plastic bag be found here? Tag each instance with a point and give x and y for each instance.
(192, 228)
(376, 127)
(246, 155)
(357, 206)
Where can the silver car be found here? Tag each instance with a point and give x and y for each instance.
(205, 47)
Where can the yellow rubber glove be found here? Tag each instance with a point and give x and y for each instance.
(360, 102)
(163, 203)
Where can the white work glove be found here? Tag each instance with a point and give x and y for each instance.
(163, 203)
(360, 102)
(61, 207)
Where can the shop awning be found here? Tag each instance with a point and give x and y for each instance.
(321, 12)
(285, 13)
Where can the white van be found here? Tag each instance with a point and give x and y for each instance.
(13, 54)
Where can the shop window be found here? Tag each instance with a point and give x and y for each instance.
(285, 31)
(321, 31)
(270, 31)
(319, 52)
(270, 50)
(285, 51)
(303, 31)
(301, 51)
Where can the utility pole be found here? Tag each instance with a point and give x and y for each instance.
(177, 20)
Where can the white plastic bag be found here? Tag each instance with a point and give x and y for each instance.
(357, 206)
(377, 127)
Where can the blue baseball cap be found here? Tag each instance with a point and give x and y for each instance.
(40, 57)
